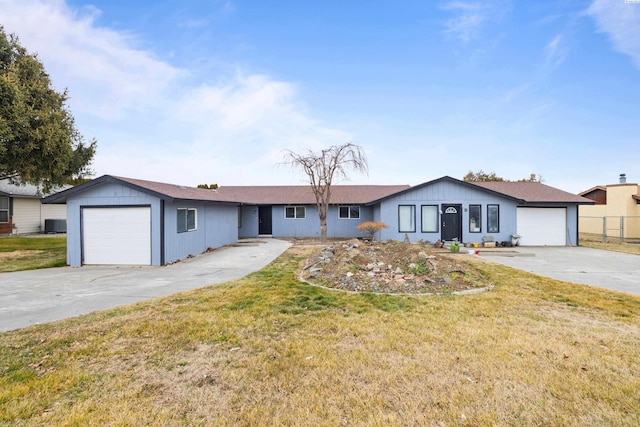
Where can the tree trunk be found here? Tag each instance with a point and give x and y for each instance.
(323, 229)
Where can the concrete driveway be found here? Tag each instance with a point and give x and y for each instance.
(593, 267)
(39, 296)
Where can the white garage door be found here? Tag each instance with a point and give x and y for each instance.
(542, 226)
(116, 235)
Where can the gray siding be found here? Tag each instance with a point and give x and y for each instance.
(572, 225)
(109, 195)
(217, 225)
(249, 224)
(440, 193)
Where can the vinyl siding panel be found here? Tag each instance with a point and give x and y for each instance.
(216, 227)
(27, 216)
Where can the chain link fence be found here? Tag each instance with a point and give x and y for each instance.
(610, 228)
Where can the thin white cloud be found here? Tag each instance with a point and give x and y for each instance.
(469, 17)
(556, 52)
(150, 119)
(620, 20)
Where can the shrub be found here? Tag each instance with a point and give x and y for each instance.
(371, 227)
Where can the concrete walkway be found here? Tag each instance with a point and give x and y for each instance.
(594, 267)
(39, 296)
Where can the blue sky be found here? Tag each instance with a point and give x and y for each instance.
(193, 92)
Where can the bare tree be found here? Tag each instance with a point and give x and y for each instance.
(325, 166)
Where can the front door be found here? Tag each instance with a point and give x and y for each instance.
(264, 220)
(451, 222)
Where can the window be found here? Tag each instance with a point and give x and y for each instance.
(187, 219)
(239, 216)
(407, 219)
(4, 209)
(295, 212)
(346, 212)
(430, 219)
(493, 218)
(475, 218)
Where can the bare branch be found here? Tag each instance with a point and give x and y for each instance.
(323, 167)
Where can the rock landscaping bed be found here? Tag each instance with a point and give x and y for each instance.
(392, 267)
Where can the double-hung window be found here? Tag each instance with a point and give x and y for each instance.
(407, 218)
(475, 218)
(349, 212)
(187, 219)
(295, 212)
(493, 218)
(4, 209)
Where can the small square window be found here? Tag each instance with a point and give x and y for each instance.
(187, 219)
(295, 212)
(349, 212)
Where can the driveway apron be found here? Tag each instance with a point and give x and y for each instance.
(594, 267)
(39, 296)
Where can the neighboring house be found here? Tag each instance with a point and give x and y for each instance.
(113, 220)
(616, 212)
(22, 211)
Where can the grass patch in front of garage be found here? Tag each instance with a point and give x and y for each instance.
(30, 253)
(269, 350)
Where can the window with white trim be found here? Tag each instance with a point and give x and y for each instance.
(349, 212)
(407, 218)
(4, 209)
(429, 218)
(295, 212)
(187, 219)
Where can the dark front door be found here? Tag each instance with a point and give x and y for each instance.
(451, 222)
(264, 220)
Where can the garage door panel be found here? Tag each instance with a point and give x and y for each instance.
(542, 226)
(116, 235)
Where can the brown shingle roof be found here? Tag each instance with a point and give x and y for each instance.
(302, 194)
(532, 192)
(270, 195)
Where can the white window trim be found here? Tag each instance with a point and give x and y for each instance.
(349, 207)
(295, 212)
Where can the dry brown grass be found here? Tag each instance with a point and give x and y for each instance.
(609, 245)
(268, 350)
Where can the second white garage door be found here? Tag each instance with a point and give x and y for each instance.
(116, 235)
(542, 226)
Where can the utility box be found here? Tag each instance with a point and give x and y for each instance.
(55, 225)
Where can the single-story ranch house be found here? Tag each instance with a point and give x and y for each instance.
(115, 220)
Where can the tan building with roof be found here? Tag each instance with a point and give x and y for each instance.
(616, 212)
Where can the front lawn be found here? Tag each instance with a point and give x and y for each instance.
(269, 350)
(30, 253)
